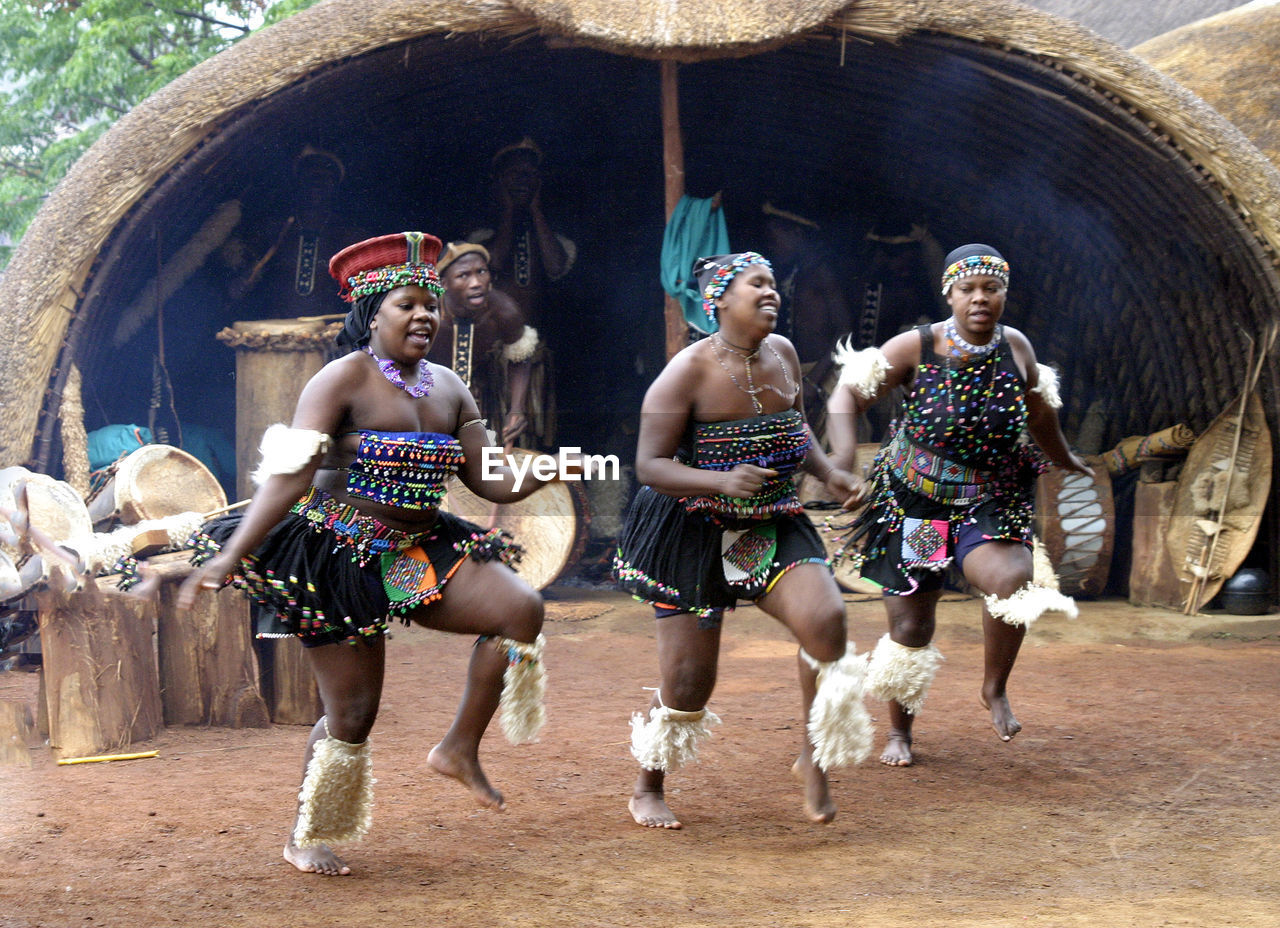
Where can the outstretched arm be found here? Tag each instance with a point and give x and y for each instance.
(1042, 407)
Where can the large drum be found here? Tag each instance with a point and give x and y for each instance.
(550, 524)
(155, 482)
(1075, 520)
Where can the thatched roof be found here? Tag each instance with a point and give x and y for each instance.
(1229, 60)
(1128, 22)
(1075, 152)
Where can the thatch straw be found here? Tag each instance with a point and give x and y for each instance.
(1229, 60)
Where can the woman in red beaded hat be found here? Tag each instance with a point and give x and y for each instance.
(345, 535)
(722, 433)
(953, 484)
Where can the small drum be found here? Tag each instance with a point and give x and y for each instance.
(154, 482)
(56, 510)
(549, 524)
(1075, 518)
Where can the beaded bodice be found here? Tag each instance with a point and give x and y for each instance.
(407, 470)
(777, 440)
(973, 411)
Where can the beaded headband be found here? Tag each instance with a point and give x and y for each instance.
(719, 282)
(976, 266)
(382, 279)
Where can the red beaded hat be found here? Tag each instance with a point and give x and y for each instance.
(385, 263)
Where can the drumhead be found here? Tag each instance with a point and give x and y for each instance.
(56, 509)
(547, 524)
(157, 481)
(1075, 518)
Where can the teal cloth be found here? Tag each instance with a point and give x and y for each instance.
(695, 230)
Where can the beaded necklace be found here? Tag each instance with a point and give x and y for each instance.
(958, 347)
(392, 373)
(718, 343)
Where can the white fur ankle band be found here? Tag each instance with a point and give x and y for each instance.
(669, 738)
(1029, 603)
(336, 800)
(839, 727)
(863, 371)
(287, 451)
(524, 687)
(901, 674)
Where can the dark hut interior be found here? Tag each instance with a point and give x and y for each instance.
(1133, 272)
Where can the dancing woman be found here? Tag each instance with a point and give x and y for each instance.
(345, 535)
(953, 484)
(722, 431)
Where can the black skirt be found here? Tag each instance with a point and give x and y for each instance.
(333, 574)
(692, 562)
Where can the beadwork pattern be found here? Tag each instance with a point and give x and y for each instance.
(976, 411)
(976, 266)
(380, 279)
(778, 441)
(723, 276)
(408, 470)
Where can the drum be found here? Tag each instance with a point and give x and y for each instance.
(1075, 519)
(549, 524)
(818, 506)
(56, 510)
(154, 482)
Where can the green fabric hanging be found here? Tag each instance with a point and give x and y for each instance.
(696, 229)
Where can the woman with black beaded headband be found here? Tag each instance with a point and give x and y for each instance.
(345, 534)
(722, 432)
(953, 484)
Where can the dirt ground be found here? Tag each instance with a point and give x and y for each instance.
(1142, 792)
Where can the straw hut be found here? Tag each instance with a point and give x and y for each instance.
(1229, 60)
(1141, 224)
(1128, 22)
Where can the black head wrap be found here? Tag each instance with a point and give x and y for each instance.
(355, 328)
(973, 261)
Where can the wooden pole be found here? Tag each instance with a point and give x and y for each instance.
(673, 170)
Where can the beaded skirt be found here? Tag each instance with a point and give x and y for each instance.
(333, 574)
(669, 556)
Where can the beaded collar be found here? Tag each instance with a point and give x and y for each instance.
(392, 373)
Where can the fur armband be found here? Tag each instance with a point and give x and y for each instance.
(863, 371)
(287, 451)
(1047, 386)
(521, 349)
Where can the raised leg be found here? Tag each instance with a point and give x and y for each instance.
(483, 598)
(999, 569)
(806, 600)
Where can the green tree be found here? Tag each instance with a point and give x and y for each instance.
(70, 68)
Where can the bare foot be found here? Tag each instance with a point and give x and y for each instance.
(897, 750)
(1002, 717)
(819, 807)
(316, 859)
(651, 810)
(467, 772)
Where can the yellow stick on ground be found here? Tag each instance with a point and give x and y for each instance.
(102, 757)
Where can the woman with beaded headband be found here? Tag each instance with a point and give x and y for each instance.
(722, 432)
(954, 483)
(345, 535)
